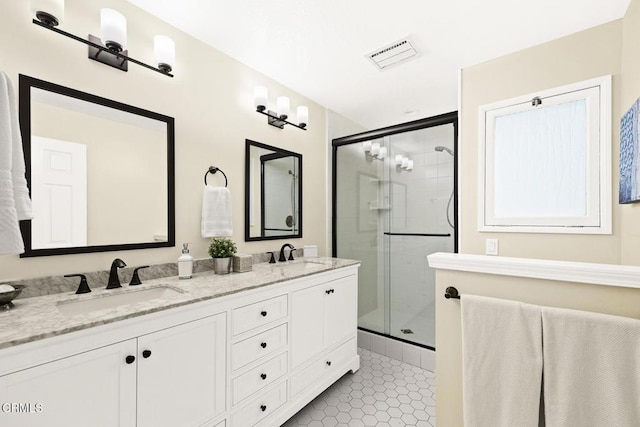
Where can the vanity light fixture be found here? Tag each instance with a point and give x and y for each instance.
(283, 107)
(374, 150)
(403, 162)
(113, 27)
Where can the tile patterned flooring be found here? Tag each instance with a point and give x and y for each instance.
(384, 392)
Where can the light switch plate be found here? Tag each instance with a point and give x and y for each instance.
(491, 247)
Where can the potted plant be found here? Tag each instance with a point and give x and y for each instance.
(221, 250)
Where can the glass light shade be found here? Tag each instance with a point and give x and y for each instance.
(405, 162)
(398, 159)
(282, 103)
(383, 152)
(114, 29)
(375, 149)
(366, 146)
(410, 165)
(303, 115)
(51, 9)
(165, 50)
(260, 97)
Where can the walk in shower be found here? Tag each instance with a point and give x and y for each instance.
(394, 203)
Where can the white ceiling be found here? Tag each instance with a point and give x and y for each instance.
(318, 47)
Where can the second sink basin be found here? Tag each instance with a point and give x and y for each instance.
(86, 305)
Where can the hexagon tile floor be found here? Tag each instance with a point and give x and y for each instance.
(384, 392)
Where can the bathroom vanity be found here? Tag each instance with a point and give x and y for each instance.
(236, 350)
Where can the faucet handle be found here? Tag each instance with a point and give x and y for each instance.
(135, 279)
(84, 286)
(273, 258)
(291, 253)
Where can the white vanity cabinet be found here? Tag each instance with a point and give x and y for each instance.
(175, 376)
(249, 358)
(321, 316)
(96, 388)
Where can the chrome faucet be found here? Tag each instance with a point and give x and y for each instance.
(291, 249)
(114, 280)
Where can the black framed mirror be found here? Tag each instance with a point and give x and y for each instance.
(273, 192)
(100, 172)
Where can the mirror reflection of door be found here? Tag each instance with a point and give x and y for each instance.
(58, 193)
(280, 189)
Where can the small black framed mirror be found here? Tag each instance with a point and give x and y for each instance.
(100, 172)
(273, 192)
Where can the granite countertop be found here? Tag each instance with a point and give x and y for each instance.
(37, 318)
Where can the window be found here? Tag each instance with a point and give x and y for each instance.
(545, 161)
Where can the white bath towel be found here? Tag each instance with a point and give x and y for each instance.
(216, 212)
(15, 204)
(502, 362)
(591, 369)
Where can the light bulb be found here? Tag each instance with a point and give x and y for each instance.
(375, 149)
(303, 116)
(366, 146)
(383, 152)
(410, 165)
(405, 162)
(260, 98)
(282, 103)
(114, 29)
(398, 159)
(165, 50)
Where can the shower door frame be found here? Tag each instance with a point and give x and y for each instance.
(429, 122)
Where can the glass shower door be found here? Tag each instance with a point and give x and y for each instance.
(420, 222)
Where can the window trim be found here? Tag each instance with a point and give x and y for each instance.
(601, 221)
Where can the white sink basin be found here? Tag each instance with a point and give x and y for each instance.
(88, 304)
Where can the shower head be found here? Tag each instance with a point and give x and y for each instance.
(441, 148)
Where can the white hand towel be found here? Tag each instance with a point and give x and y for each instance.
(216, 212)
(502, 362)
(20, 189)
(11, 166)
(591, 369)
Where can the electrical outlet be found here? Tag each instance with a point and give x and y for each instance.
(491, 247)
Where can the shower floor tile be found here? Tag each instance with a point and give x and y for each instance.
(384, 392)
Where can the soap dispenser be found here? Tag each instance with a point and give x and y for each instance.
(185, 263)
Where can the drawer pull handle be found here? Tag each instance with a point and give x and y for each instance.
(328, 362)
(263, 344)
(263, 376)
(263, 408)
(146, 354)
(263, 313)
(130, 359)
(330, 291)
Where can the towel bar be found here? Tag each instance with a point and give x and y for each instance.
(451, 292)
(213, 169)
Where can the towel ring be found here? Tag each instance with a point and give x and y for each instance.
(212, 170)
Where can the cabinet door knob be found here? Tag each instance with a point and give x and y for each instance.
(130, 359)
(328, 291)
(146, 354)
(263, 376)
(263, 408)
(263, 313)
(328, 362)
(333, 290)
(263, 344)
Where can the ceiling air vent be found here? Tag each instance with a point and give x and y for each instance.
(392, 54)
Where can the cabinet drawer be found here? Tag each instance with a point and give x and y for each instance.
(258, 378)
(321, 367)
(257, 346)
(254, 315)
(261, 407)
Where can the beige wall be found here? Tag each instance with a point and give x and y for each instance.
(211, 99)
(588, 54)
(607, 49)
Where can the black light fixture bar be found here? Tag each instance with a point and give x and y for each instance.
(125, 58)
(276, 121)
